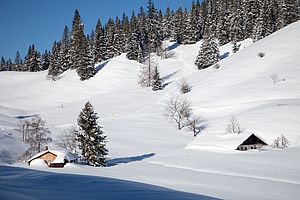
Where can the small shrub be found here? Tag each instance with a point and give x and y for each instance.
(276, 79)
(261, 54)
(184, 87)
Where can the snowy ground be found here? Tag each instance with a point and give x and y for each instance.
(146, 147)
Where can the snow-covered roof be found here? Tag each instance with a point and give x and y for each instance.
(60, 156)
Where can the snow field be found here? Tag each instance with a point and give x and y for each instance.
(146, 146)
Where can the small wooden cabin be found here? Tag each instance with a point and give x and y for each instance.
(53, 158)
(252, 142)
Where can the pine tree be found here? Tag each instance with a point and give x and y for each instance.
(18, 62)
(99, 45)
(126, 33)
(195, 21)
(45, 62)
(109, 38)
(91, 139)
(65, 50)
(260, 27)
(118, 40)
(167, 24)
(143, 36)
(134, 43)
(251, 14)
(78, 43)
(236, 26)
(157, 82)
(179, 26)
(87, 70)
(154, 37)
(55, 67)
(208, 54)
(2, 64)
(9, 65)
(32, 60)
(188, 34)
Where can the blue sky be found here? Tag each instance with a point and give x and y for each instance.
(41, 22)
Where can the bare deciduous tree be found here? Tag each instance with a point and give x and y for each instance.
(22, 130)
(35, 134)
(178, 109)
(147, 71)
(233, 126)
(281, 142)
(69, 139)
(193, 124)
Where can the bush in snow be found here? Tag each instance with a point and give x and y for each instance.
(233, 126)
(261, 54)
(276, 79)
(217, 66)
(281, 142)
(91, 139)
(184, 87)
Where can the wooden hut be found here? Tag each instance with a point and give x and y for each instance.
(252, 142)
(54, 158)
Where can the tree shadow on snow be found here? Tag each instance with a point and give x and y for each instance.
(173, 46)
(100, 66)
(201, 128)
(118, 161)
(25, 116)
(224, 55)
(166, 78)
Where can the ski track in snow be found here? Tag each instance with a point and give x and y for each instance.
(224, 173)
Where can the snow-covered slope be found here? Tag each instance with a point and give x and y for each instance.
(145, 146)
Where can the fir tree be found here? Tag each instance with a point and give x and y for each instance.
(133, 45)
(179, 26)
(78, 43)
(154, 37)
(208, 54)
(9, 65)
(99, 45)
(32, 60)
(109, 38)
(87, 70)
(157, 82)
(18, 62)
(55, 67)
(91, 139)
(65, 50)
(45, 61)
(2, 64)
(118, 40)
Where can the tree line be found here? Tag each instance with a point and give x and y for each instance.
(143, 33)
